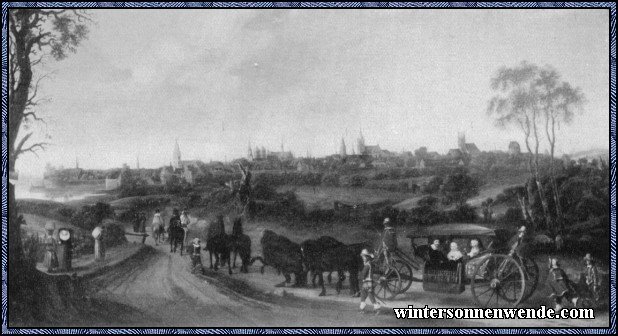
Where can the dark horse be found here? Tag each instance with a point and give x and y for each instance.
(341, 258)
(312, 251)
(284, 255)
(177, 237)
(218, 244)
(176, 233)
(240, 244)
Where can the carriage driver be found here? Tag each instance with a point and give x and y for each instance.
(389, 238)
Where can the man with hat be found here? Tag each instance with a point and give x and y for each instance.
(592, 276)
(516, 243)
(389, 237)
(560, 284)
(366, 276)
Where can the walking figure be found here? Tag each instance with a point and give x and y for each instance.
(592, 277)
(196, 256)
(367, 280)
(561, 286)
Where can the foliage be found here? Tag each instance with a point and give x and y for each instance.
(433, 186)
(463, 213)
(459, 188)
(90, 216)
(113, 233)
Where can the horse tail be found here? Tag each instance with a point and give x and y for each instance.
(261, 260)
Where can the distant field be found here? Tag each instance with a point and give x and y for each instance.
(323, 197)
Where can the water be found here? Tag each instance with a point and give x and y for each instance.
(24, 192)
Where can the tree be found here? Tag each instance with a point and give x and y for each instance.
(532, 98)
(33, 36)
(559, 101)
(459, 188)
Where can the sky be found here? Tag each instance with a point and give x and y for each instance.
(217, 80)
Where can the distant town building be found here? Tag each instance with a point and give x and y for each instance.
(372, 151)
(467, 148)
(514, 148)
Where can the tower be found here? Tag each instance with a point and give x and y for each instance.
(342, 149)
(137, 162)
(461, 141)
(249, 153)
(361, 144)
(76, 163)
(176, 164)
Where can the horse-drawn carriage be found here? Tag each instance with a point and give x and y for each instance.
(499, 275)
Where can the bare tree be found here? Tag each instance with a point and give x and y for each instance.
(34, 35)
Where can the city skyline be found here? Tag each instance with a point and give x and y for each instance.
(216, 80)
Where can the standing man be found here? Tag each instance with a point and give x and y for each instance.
(366, 276)
(592, 276)
(51, 256)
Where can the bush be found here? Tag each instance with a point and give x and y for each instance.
(463, 213)
(113, 234)
(262, 191)
(512, 216)
(330, 180)
(91, 216)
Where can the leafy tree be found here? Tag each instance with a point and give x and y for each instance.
(34, 35)
(459, 188)
(534, 99)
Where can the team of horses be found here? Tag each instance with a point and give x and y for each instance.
(313, 256)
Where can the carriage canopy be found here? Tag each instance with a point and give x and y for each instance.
(460, 230)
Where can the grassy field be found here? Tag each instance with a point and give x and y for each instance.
(323, 197)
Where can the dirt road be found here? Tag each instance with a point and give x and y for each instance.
(158, 290)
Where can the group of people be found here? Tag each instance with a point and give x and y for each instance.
(178, 219)
(565, 291)
(562, 288)
(438, 255)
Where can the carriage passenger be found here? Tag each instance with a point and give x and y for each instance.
(475, 248)
(436, 256)
(454, 254)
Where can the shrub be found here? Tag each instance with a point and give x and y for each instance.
(113, 233)
(330, 180)
(91, 215)
(462, 213)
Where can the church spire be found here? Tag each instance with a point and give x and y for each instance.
(176, 156)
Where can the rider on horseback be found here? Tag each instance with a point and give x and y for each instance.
(157, 226)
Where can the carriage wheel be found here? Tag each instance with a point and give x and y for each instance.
(405, 272)
(531, 270)
(498, 281)
(386, 282)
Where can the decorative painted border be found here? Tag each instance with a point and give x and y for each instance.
(612, 61)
